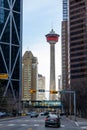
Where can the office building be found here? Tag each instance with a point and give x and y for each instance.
(78, 52)
(29, 76)
(10, 53)
(64, 46)
(41, 87)
(78, 41)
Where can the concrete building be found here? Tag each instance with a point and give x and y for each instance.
(78, 52)
(11, 53)
(64, 39)
(78, 41)
(41, 87)
(52, 38)
(29, 76)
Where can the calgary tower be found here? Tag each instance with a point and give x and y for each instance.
(52, 38)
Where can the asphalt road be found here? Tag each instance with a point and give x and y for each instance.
(27, 123)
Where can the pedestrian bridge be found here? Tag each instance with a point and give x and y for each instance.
(43, 104)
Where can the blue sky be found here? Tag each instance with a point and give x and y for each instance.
(39, 17)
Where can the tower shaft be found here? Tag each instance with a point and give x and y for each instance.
(52, 70)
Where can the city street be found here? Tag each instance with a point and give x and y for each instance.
(27, 123)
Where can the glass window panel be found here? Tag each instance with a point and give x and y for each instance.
(14, 35)
(5, 49)
(4, 4)
(6, 34)
(17, 6)
(3, 17)
(17, 21)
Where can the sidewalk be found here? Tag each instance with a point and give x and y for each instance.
(77, 118)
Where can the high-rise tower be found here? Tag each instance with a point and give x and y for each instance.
(52, 38)
(78, 52)
(10, 53)
(29, 76)
(64, 45)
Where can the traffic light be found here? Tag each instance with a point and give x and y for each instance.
(53, 92)
(32, 91)
(41, 90)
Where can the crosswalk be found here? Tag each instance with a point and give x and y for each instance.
(23, 123)
(27, 125)
(82, 124)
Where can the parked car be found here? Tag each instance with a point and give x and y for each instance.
(52, 120)
(34, 114)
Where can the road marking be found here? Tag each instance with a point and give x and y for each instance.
(84, 127)
(62, 126)
(10, 124)
(23, 124)
(76, 123)
(36, 124)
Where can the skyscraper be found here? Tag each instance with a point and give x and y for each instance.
(78, 40)
(78, 51)
(64, 45)
(29, 76)
(10, 52)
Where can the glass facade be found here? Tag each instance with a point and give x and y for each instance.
(65, 8)
(10, 50)
(65, 45)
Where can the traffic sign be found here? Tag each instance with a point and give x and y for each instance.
(41, 90)
(32, 91)
(53, 92)
(4, 76)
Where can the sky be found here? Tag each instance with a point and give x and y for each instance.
(39, 17)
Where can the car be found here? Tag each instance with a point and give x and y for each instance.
(28, 113)
(41, 114)
(4, 114)
(34, 114)
(52, 120)
(46, 113)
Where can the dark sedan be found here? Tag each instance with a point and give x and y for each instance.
(52, 120)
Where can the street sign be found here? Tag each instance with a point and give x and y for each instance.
(4, 76)
(41, 90)
(32, 91)
(53, 92)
